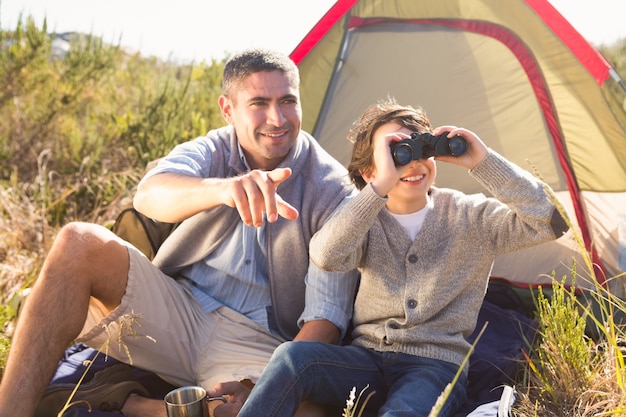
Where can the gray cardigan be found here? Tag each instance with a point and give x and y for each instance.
(423, 297)
(316, 187)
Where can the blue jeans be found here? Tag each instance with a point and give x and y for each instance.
(405, 385)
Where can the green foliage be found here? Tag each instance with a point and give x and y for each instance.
(576, 368)
(5, 342)
(614, 53)
(616, 87)
(84, 126)
(570, 374)
(76, 133)
(564, 348)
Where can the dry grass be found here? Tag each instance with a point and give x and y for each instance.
(570, 374)
(576, 367)
(23, 240)
(22, 236)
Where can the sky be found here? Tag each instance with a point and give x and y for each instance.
(197, 30)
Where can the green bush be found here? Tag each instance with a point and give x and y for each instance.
(84, 126)
(76, 135)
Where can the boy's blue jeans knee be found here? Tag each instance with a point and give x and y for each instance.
(405, 385)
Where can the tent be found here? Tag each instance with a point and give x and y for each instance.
(519, 75)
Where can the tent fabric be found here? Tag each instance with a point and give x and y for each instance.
(519, 76)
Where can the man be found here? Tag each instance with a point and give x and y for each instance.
(249, 197)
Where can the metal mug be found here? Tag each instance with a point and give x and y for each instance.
(188, 401)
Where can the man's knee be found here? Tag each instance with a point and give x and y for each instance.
(87, 242)
(89, 250)
(84, 236)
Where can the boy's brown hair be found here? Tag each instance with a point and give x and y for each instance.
(363, 130)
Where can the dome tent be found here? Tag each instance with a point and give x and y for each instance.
(519, 75)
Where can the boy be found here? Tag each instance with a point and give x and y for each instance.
(409, 241)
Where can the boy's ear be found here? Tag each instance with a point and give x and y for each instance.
(367, 175)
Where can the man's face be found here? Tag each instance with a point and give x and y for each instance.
(267, 116)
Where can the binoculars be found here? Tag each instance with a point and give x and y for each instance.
(424, 145)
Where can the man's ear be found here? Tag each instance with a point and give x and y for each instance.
(226, 108)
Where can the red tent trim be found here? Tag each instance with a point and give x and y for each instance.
(332, 16)
(592, 60)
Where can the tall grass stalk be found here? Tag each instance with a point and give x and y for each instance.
(355, 406)
(124, 327)
(434, 412)
(576, 367)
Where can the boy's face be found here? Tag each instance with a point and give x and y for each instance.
(267, 116)
(412, 181)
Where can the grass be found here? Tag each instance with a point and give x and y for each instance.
(569, 373)
(355, 406)
(576, 366)
(75, 138)
(117, 332)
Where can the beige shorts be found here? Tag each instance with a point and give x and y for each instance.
(160, 327)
